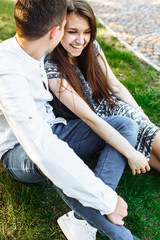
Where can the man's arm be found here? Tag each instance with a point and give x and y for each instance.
(119, 213)
(53, 156)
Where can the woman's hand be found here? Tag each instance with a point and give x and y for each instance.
(138, 163)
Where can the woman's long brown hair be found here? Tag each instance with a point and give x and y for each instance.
(87, 62)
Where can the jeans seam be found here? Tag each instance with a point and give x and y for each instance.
(103, 162)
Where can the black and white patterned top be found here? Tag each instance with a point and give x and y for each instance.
(60, 110)
(147, 130)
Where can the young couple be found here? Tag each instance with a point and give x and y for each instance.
(36, 145)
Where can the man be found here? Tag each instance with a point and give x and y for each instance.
(29, 147)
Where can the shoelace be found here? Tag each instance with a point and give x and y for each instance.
(91, 232)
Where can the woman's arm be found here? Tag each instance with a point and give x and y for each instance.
(115, 86)
(76, 104)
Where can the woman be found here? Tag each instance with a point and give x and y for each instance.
(80, 77)
(78, 66)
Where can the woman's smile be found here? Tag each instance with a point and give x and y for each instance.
(77, 34)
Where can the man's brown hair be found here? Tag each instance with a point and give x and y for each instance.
(34, 18)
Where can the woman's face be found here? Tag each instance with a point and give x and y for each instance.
(77, 34)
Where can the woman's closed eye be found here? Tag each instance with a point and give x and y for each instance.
(87, 32)
(72, 32)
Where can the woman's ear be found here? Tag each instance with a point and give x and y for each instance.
(53, 32)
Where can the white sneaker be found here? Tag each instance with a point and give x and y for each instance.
(75, 229)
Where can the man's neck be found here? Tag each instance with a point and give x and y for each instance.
(34, 48)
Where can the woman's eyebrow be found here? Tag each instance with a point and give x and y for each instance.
(73, 28)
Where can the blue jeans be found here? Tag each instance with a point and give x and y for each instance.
(84, 142)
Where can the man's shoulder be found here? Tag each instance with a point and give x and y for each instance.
(8, 53)
(8, 47)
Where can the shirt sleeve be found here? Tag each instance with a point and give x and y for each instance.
(51, 69)
(97, 48)
(53, 156)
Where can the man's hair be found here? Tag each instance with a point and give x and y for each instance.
(34, 18)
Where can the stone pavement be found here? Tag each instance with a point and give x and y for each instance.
(136, 22)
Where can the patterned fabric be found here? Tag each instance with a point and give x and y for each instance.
(51, 68)
(60, 110)
(97, 48)
(147, 130)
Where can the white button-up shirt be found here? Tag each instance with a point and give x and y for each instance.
(26, 117)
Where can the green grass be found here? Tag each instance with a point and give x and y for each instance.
(7, 24)
(30, 211)
(142, 80)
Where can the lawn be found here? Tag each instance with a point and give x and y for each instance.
(30, 211)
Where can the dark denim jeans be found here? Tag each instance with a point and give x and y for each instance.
(84, 142)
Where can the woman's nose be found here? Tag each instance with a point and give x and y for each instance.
(80, 39)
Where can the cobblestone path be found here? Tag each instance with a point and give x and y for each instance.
(136, 22)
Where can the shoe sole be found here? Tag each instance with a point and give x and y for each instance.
(64, 228)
